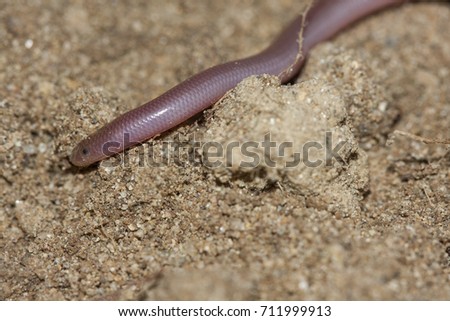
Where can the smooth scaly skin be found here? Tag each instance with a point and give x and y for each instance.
(282, 58)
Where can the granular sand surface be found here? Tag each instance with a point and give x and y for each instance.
(372, 224)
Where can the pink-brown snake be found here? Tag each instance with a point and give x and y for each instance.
(283, 58)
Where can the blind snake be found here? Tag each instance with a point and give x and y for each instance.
(283, 58)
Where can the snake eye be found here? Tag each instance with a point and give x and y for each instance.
(85, 151)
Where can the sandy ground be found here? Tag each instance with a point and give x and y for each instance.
(371, 225)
